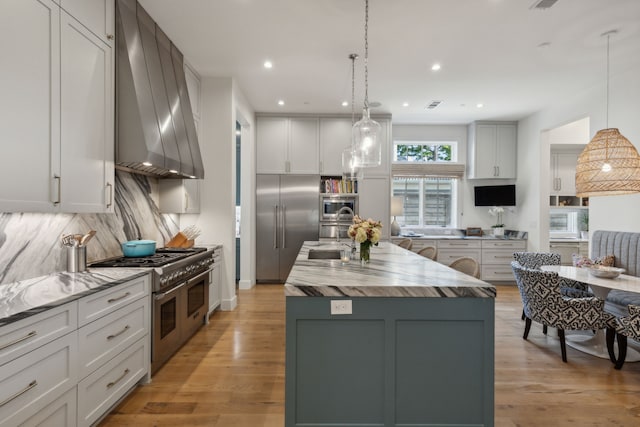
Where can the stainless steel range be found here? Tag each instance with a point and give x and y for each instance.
(180, 295)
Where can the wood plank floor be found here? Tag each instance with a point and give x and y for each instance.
(231, 374)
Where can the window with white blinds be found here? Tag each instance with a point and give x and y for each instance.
(426, 175)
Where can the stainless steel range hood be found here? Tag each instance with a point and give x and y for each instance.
(155, 131)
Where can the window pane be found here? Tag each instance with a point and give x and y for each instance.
(427, 201)
(444, 153)
(437, 201)
(409, 189)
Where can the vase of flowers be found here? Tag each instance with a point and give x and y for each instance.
(498, 227)
(367, 233)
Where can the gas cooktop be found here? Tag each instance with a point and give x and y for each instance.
(161, 257)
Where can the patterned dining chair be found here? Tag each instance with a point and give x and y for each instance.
(466, 265)
(428, 252)
(627, 327)
(544, 304)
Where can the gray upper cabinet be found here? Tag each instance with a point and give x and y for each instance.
(287, 145)
(492, 150)
(97, 15)
(335, 136)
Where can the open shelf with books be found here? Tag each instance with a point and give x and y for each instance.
(337, 185)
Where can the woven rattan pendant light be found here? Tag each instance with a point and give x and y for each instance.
(609, 165)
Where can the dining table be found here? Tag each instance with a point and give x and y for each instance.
(596, 344)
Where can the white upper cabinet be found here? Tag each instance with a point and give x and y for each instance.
(30, 112)
(335, 137)
(287, 145)
(179, 195)
(57, 116)
(87, 140)
(563, 173)
(374, 194)
(97, 15)
(492, 150)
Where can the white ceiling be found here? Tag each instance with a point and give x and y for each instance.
(488, 50)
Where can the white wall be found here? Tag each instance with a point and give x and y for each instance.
(618, 213)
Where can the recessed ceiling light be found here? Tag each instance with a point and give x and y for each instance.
(173, 171)
(281, 103)
(435, 67)
(479, 105)
(238, 132)
(268, 64)
(146, 164)
(544, 45)
(405, 104)
(345, 104)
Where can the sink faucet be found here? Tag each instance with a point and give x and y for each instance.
(340, 212)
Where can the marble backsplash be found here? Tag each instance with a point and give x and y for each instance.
(30, 242)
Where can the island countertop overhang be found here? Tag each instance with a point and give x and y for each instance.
(392, 272)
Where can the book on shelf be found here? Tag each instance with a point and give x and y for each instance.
(338, 186)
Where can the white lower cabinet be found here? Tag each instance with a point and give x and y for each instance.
(451, 250)
(496, 259)
(59, 413)
(33, 381)
(104, 387)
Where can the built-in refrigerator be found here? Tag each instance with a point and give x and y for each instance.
(286, 215)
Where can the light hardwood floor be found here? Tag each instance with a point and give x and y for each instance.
(231, 374)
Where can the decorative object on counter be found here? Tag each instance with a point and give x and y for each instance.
(367, 233)
(138, 248)
(474, 232)
(397, 208)
(584, 224)
(609, 165)
(498, 227)
(345, 256)
(367, 148)
(350, 171)
(185, 238)
(583, 261)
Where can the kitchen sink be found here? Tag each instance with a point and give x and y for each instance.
(324, 254)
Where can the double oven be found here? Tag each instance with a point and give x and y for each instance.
(334, 218)
(180, 296)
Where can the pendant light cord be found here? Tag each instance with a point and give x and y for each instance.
(366, 55)
(607, 116)
(353, 58)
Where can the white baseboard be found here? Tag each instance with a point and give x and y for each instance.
(229, 304)
(245, 284)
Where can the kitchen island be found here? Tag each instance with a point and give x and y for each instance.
(410, 342)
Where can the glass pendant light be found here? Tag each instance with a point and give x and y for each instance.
(351, 172)
(367, 149)
(609, 165)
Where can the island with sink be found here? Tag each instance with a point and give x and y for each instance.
(402, 340)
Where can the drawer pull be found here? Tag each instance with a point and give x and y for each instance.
(31, 385)
(124, 374)
(26, 337)
(503, 272)
(119, 298)
(503, 257)
(110, 337)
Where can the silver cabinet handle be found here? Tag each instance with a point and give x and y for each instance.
(275, 227)
(158, 297)
(124, 374)
(59, 188)
(117, 334)
(110, 199)
(16, 341)
(111, 300)
(110, 37)
(559, 184)
(498, 169)
(31, 385)
(284, 226)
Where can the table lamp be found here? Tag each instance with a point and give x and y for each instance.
(397, 208)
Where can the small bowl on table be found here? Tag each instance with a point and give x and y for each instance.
(603, 272)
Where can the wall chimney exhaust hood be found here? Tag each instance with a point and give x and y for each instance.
(155, 131)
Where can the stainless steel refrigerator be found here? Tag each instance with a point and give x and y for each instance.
(287, 215)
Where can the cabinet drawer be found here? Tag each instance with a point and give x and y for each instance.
(101, 340)
(103, 388)
(496, 273)
(497, 256)
(60, 412)
(102, 303)
(33, 381)
(516, 245)
(421, 244)
(447, 256)
(458, 244)
(22, 336)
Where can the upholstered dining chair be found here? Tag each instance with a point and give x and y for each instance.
(406, 243)
(568, 287)
(627, 327)
(428, 252)
(466, 265)
(544, 304)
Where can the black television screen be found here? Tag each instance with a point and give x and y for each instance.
(495, 195)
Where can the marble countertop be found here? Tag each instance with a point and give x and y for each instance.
(25, 298)
(392, 272)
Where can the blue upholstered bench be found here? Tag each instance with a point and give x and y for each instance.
(626, 249)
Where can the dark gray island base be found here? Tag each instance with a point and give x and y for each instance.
(416, 350)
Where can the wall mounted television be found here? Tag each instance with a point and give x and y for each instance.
(495, 195)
